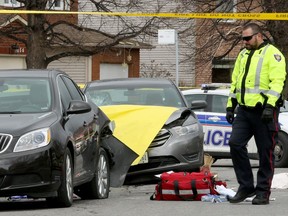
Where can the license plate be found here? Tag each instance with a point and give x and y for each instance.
(144, 159)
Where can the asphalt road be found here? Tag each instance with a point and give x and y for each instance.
(135, 201)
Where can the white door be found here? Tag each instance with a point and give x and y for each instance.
(110, 71)
(76, 66)
(12, 62)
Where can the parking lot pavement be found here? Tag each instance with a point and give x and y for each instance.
(224, 170)
(139, 195)
(135, 200)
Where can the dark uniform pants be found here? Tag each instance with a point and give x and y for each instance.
(247, 124)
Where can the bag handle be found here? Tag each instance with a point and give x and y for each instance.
(193, 187)
(153, 196)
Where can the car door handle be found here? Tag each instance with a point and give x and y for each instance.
(85, 124)
(214, 118)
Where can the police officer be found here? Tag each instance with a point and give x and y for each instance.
(257, 83)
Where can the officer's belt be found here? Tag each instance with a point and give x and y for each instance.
(248, 108)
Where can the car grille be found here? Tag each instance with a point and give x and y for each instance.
(161, 138)
(5, 140)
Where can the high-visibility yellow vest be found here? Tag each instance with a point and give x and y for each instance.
(257, 77)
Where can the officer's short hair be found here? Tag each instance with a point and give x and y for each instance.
(255, 27)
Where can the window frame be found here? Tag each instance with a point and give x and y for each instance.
(9, 3)
(223, 5)
(63, 6)
(220, 9)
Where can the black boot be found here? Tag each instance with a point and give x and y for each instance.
(241, 196)
(261, 199)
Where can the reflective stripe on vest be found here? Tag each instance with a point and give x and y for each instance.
(258, 69)
(256, 89)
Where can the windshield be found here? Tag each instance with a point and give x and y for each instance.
(155, 96)
(23, 95)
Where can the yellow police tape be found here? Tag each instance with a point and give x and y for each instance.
(246, 16)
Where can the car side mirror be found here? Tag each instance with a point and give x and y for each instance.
(78, 107)
(198, 104)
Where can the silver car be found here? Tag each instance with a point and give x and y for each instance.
(178, 146)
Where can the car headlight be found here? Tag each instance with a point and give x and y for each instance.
(184, 130)
(33, 140)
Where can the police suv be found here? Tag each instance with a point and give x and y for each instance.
(218, 130)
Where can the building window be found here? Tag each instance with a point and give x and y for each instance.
(58, 4)
(222, 70)
(226, 6)
(52, 4)
(12, 3)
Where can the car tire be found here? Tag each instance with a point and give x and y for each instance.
(65, 191)
(281, 151)
(99, 186)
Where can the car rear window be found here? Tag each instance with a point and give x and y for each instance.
(136, 96)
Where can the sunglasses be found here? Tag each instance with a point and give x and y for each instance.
(248, 38)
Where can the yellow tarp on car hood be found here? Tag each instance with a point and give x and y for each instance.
(136, 126)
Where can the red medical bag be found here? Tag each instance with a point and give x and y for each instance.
(185, 186)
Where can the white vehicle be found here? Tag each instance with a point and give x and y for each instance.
(218, 130)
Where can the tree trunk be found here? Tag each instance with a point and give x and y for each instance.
(278, 30)
(36, 55)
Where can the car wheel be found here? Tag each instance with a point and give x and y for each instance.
(281, 151)
(65, 191)
(99, 186)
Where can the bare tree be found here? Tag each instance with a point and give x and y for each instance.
(206, 39)
(51, 37)
(155, 70)
(228, 33)
(219, 39)
(162, 57)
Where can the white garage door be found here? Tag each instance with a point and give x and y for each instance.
(12, 62)
(110, 71)
(79, 68)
